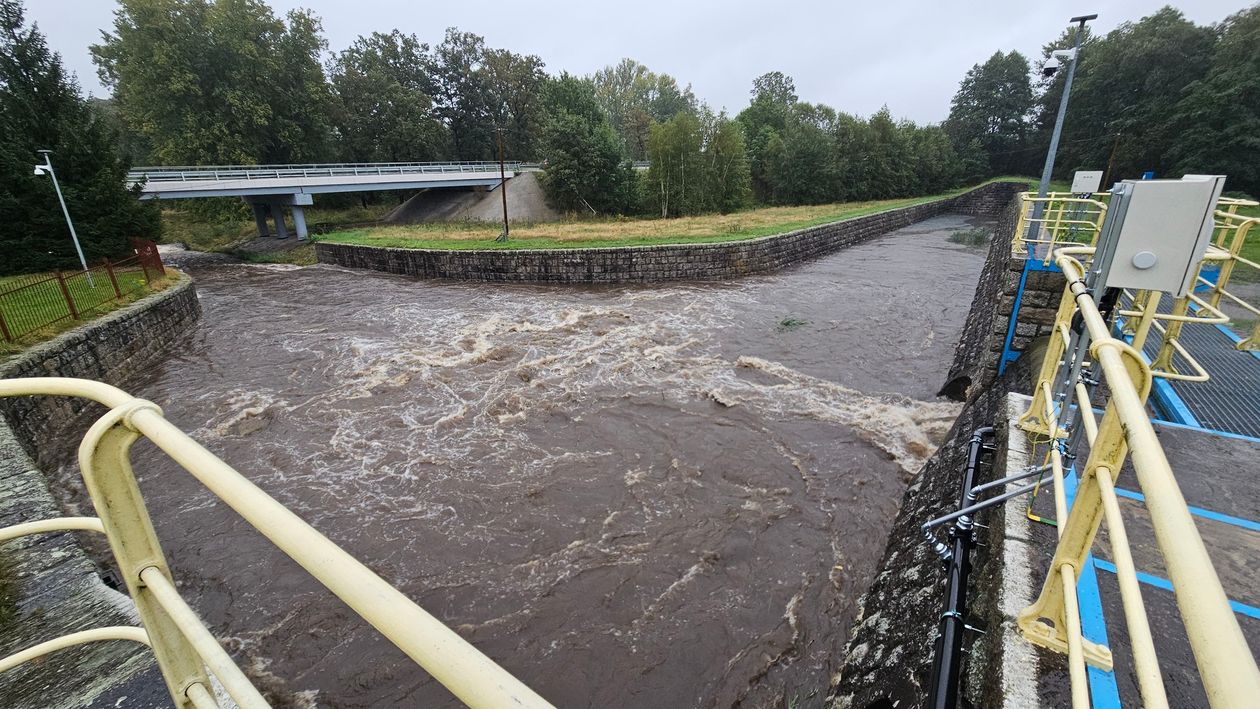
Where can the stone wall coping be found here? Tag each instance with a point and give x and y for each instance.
(48, 348)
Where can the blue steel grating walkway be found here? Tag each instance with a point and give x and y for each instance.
(1230, 400)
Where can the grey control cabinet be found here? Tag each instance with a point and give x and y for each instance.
(1158, 232)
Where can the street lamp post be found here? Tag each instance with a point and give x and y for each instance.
(1044, 187)
(47, 168)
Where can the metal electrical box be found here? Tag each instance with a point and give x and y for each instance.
(1086, 181)
(1160, 231)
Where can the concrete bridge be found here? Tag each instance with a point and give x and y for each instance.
(271, 188)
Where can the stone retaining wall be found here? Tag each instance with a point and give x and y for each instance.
(979, 351)
(108, 349)
(657, 263)
(888, 661)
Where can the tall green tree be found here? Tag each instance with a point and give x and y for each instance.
(764, 120)
(797, 162)
(994, 106)
(1127, 88)
(1217, 122)
(515, 83)
(222, 81)
(698, 165)
(676, 176)
(41, 107)
(383, 88)
(463, 96)
(728, 184)
(586, 169)
(636, 98)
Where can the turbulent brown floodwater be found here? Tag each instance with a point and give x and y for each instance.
(647, 496)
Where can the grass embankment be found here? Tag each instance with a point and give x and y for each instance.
(594, 232)
(45, 302)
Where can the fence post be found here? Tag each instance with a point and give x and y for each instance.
(138, 247)
(109, 268)
(65, 292)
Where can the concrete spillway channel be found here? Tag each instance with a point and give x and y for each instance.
(629, 495)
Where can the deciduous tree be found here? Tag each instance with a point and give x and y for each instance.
(586, 166)
(383, 87)
(222, 82)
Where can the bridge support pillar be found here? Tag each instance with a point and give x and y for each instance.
(277, 214)
(299, 222)
(260, 219)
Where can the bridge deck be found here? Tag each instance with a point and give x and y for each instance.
(171, 189)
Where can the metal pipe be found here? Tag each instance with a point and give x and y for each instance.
(1225, 664)
(1028, 473)
(454, 662)
(57, 524)
(207, 647)
(116, 632)
(983, 505)
(947, 667)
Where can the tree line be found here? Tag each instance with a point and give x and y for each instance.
(230, 82)
(1159, 94)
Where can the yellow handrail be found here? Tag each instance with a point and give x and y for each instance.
(1228, 671)
(1065, 220)
(180, 642)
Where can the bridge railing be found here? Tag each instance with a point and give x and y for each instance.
(186, 652)
(196, 173)
(1226, 666)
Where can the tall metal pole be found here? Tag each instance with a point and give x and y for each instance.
(70, 223)
(1044, 187)
(502, 187)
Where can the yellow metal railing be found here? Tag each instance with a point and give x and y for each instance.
(1201, 307)
(186, 651)
(1065, 220)
(1226, 665)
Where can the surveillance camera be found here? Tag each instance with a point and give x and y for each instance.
(1050, 67)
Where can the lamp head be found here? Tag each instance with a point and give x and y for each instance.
(40, 170)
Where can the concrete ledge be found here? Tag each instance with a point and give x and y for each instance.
(657, 263)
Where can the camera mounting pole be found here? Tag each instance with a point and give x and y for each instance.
(1044, 186)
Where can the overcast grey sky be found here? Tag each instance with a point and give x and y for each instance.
(853, 56)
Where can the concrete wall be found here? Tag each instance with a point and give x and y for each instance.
(656, 263)
(58, 589)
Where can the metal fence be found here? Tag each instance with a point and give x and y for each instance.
(31, 303)
(186, 652)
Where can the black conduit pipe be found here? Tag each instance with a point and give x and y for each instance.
(947, 667)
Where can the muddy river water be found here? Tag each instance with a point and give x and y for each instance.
(632, 496)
